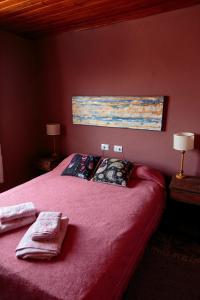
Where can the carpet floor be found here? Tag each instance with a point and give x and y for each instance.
(169, 270)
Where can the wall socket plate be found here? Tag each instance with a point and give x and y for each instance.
(118, 148)
(105, 147)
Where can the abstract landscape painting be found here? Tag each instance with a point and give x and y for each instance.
(134, 112)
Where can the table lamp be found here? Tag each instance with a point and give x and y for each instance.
(183, 141)
(53, 129)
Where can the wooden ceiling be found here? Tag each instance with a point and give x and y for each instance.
(32, 18)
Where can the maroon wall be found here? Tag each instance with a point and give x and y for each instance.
(18, 109)
(158, 55)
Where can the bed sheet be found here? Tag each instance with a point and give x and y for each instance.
(108, 230)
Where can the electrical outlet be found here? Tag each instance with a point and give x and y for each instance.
(105, 147)
(117, 148)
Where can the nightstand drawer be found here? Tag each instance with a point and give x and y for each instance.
(186, 189)
(185, 196)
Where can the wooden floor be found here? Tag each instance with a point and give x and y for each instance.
(160, 277)
(164, 278)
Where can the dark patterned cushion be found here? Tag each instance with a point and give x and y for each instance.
(82, 166)
(114, 171)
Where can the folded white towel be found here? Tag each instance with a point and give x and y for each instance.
(13, 212)
(27, 248)
(16, 223)
(47, 226)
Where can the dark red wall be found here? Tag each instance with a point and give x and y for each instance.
(158, 55)
(18, 109)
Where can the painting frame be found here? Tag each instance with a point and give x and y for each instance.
(132, 112)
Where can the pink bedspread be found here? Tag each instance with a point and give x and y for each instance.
(108, 230)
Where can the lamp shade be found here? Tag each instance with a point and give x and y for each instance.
(53, 129)
(183, 141)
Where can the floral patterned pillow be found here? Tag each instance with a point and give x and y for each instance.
(82, 166)
(114, 171)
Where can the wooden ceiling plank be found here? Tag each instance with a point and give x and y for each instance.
(61, 6)
(88, 10)
(40, 17)
(10, 5)
(69, 16)
(77, 14)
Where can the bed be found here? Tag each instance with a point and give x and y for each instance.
(108, 230)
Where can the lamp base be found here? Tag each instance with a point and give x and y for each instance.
(180, 175)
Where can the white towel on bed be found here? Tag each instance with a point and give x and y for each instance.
(16, 223)
(47, 226)
(18, 211)
(27, 248)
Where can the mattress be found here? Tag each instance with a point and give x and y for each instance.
(109, 227)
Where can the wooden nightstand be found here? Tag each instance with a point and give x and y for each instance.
(185, 190)
(48, 163)
(183, 208)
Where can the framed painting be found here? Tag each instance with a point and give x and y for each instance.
(136, 112)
